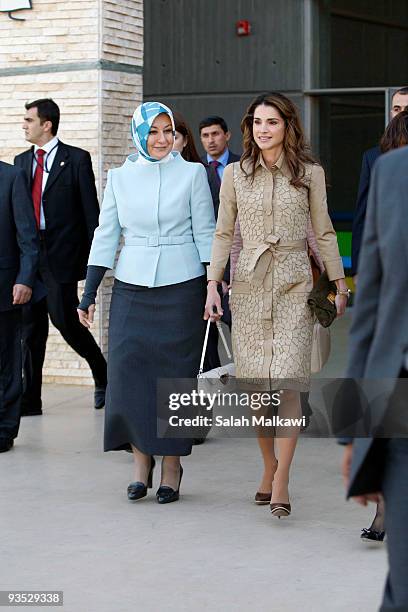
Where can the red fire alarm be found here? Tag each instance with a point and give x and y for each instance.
(243, 28)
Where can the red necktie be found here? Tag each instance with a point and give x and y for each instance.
(36, 189)
(215, 165)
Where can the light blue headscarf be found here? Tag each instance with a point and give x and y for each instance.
(142, 120)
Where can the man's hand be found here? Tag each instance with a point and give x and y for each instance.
(345, 470)
(87, 318)
(225, 287)
(21, 294)
(346, 464)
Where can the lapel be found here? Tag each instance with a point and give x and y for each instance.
(61, 161)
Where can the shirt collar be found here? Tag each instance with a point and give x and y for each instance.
(280, 164)
(48, 146)
(222, 160)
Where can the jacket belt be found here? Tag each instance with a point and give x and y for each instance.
(155, 241)
(273, 247)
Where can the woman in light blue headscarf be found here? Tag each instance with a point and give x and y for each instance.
(161, 207)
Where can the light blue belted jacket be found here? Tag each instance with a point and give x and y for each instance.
(166, 216)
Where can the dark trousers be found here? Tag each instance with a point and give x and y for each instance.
(60, 304)
(395, 491)
(11, 386)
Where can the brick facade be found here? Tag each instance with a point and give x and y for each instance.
(87, 55)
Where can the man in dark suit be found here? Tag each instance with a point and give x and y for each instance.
(19, 251)
(399, 103)
(215, 137)
(379, 358)
(66, 208)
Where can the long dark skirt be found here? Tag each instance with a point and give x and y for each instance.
(153, 333)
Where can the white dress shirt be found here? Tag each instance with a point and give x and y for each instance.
(50, 152)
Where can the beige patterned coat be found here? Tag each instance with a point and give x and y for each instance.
(272, 323)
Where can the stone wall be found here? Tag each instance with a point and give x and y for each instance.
(87, 55)
(51, 33)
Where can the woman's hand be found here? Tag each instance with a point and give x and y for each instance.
(342, 298)
(86, 317)
(213, 301)
(341, 303)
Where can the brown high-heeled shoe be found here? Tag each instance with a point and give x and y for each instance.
(261, 499)
(279, 509)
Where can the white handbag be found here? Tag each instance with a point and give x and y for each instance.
(320, 347)
(217, 378)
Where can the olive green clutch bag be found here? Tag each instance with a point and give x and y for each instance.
(322, 300)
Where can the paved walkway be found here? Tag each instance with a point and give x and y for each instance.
(66, 524)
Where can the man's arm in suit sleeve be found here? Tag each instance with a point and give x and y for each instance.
(360, 213)
(89, 197)
(367, 296)
(26, 231)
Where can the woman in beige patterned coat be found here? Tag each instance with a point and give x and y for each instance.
(272, 191)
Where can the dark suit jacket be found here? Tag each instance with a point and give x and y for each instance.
(18, 234)
(70, 208)
(214, 184)
(369, 157)
(379, 331)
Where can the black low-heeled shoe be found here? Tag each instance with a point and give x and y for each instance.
(99, 397)
(166, 495)
(138, 490)
(372, 536)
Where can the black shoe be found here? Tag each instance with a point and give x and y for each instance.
(99, 397)
(6, 444)
(372, 536)
(137, 490)
(31, 412)
(166, 495)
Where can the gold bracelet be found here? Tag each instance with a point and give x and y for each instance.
(346, 292)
